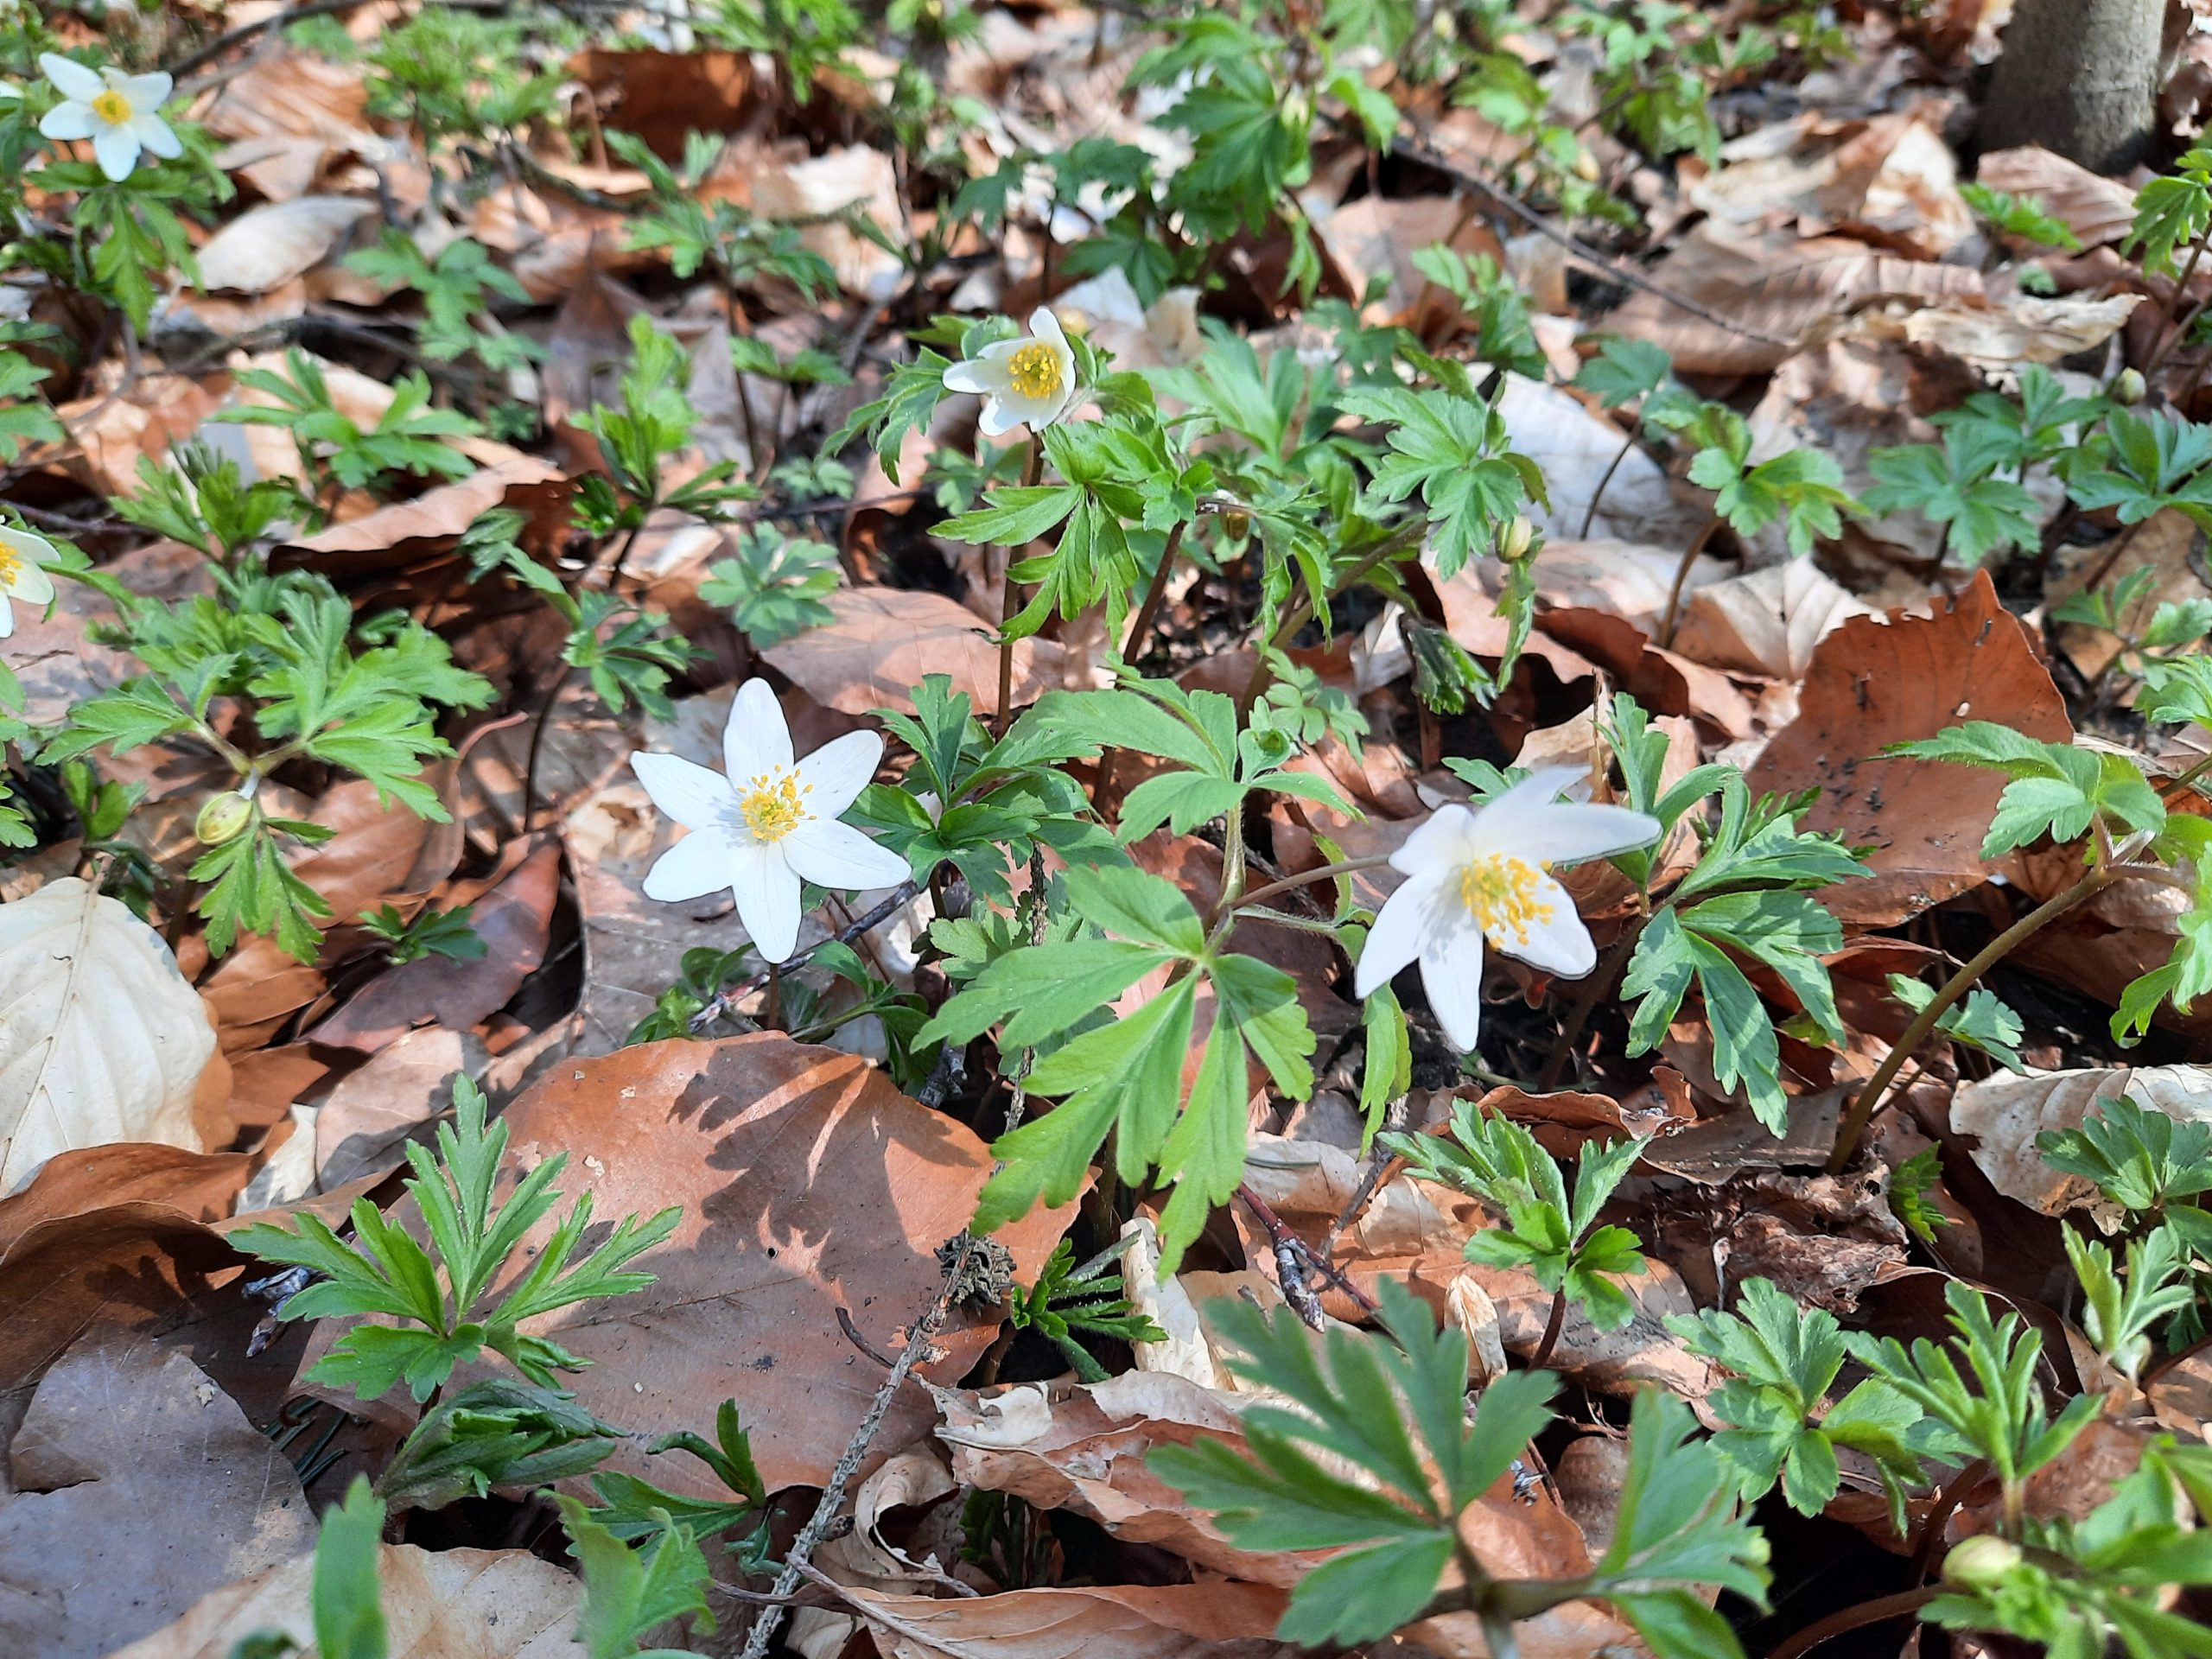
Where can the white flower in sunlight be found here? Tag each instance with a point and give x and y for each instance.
(769, 822)
(22, 554)
(120, 113)
(1480, 876)
(1026, 381)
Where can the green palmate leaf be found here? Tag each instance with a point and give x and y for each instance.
(1801, 488)
(2139, 1159)
(1397, 1525)
(1455, 452)
(1910, 1183)
(496, 1432)
(2056, 789)
(2138, 464)
(629, 1592)
(1953, 485)
(2118, 1312)
(1125, 1075)
(1782, 1430)
(775, 586)
(1625, 370)
(2172, 212)
(2024, 217)
(907, 406)
(1982, 1021)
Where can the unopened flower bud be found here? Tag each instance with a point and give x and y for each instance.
(2128, 387)
(1514, 544)
(1586, 168)
(222, 817)
(1980, 1563)
(1236, 524)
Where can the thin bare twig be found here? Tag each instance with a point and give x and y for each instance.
(795, 1566)
(722, 1001)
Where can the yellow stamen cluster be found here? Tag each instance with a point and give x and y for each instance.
(1500, 893)
(774, 804)
(11, 565)
(1034, 371)
(111, 107)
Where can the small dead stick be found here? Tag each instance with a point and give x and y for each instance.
(722, 1001)
(1292, 1256)
(797, 1558)
(1851, 1618)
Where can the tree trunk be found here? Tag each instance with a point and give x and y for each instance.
(2078, 77)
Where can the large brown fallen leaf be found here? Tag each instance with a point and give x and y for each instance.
(1125, 1621)
(362, 1127)
(101, 1038)
(2096, 209)
(883, 641)
(1891, 180)
(1776, 290)
(271, 244)
(138, 1486)
(453, 1604)
(808, 1182)
(1876, 682)
(1767, 622)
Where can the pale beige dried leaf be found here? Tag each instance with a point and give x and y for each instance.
(857, 177)
(1174, 1621)
(363, 1126)
(139, 1486)
(1767, 622)
(2018, 328)
(453, 1604)
(271, 244)
(1890, 179)
(1777, 291)
(438, 513)
(2005, 1113)
(101, 1038)
(1575, 449)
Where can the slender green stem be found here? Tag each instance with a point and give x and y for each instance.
(1593, 992)
(1302, 609)
(1553, 1326)
(1010, 603)
(1327, 873)
(1681, 577)
(537, 744)
(2164, 342)
(1924, 1024)
(1590, 515)
(1851, 1619)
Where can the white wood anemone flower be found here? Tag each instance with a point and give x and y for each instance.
(21, 555)
(772, 821)
(120, 113)
(1482, 878)
(1026, 382)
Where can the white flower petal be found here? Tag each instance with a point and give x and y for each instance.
(695, 796)
(701, 864)
(1499, 820)
(7, 617)
(1560, 946)
(146, 92)
(116, 149)
(1452, 975)
(1403, 922)
(970, 377)
(997, 419)
(1047, 327)
(834, 854)
(35, 549)
(758, 740)
(1443, 840)
(1569, 831)
(766, 890)
(154, 133)
(72, 78)
(69, 121)
(837, 772)
(30, 584)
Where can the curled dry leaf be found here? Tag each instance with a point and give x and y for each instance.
(883, 641)
(1891, 180)
(266, 247)
(1778, 290)
(101, 1038)
(2003, 333)
(453, 1604)
(138, 1486)
(1767, 622)
(2005, 1113)
(1875, 683)
(808, 1182)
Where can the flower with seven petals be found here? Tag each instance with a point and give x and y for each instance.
(21, 555)
(120, 113)
(1024, 382)
(1484, 877)
(771, 822)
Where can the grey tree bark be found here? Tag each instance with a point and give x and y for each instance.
(2078, 77)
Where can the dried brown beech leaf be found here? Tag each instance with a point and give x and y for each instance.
(1891, 180)
(1767, 622)
(884, 640)
(1123, 1621)
(138, 1486)
(453, 1604)
(2018, 328)
(2005, 1113)
(200, 1183)
(2096, 209)
(387, 537)
(361, 1129)
(1876, 682)
(1774, 285)
(808, 1182)
(270, 245)
(101, 1038)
